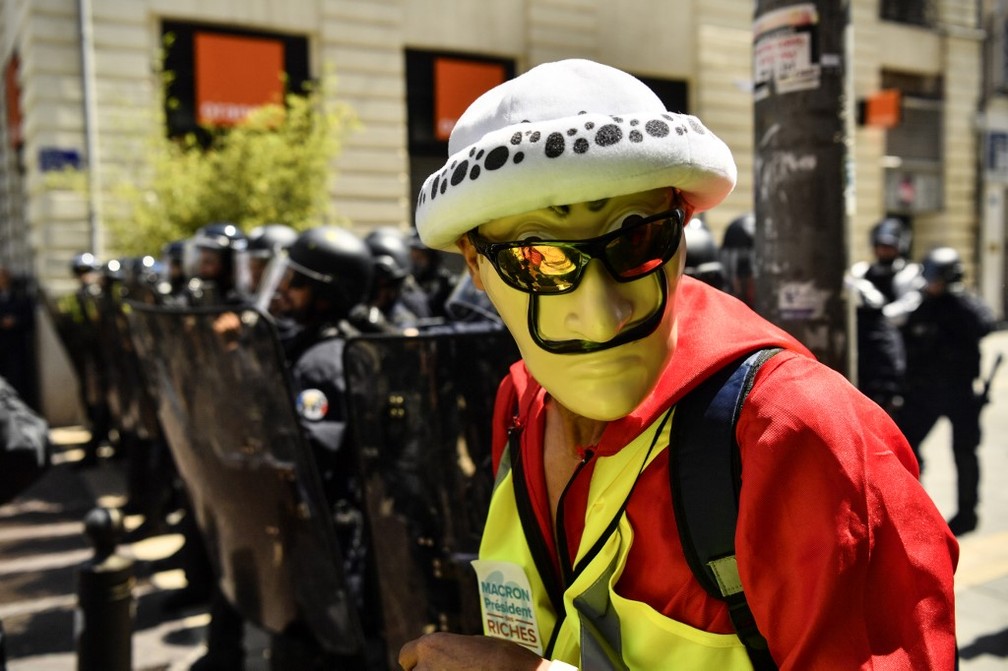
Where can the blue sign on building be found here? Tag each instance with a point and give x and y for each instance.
(54, 158)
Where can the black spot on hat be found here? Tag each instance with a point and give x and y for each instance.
(444, 185)
(581, 145)
(634, 122)
(516, 138)
(656, 128)
(534, 137)
(472, 151)
(519, 157)
(635, 136)
(434, 188)
(479, 155)
(589, 125)
(617, 119)
(697, 127)
(680, 130)
(608, 134)
(554, 145)
(571, 132)
(475, 172)
(460, 173)
(497, 157)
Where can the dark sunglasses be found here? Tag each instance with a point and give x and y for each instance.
(641, 246)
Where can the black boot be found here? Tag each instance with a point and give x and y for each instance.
(963, 522)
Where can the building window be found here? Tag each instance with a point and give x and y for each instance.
(218, 74)
(439, 87)
(914, 181)
(913, 12)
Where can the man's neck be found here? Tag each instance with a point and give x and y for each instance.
(579, 432)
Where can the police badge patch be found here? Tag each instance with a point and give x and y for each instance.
(312, 404)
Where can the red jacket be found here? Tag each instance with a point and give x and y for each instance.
(845, 560)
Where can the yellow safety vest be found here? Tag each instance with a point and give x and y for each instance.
(602, 630)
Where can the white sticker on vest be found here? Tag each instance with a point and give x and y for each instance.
(506, 602)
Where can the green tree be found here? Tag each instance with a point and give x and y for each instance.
(274, 167)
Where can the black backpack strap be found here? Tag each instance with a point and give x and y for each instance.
(705, 476)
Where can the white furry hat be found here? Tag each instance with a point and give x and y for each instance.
(562, 133)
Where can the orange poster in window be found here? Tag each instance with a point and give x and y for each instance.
(885, 109)
(234, 75)
(457, 83)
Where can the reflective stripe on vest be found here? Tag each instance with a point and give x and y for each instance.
(601, 630)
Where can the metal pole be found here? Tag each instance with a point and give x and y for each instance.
(104, 624)
(90, 127)
(802, 178)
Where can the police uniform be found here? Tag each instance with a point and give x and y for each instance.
(315, 356)
(887, 293)
(942, 339)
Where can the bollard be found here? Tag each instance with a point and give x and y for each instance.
(104, 622)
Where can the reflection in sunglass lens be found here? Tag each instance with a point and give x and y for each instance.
(541, 267)
(640, 250)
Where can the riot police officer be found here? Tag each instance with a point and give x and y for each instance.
(885, 291)
(211, 264)
(172, 284)
(738, 257)
(394, 292)
(264, 243)
(85, 354)
(432, 277)
(942, 339)
(328, 271)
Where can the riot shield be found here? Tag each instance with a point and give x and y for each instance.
(421, 410)
(225, 404)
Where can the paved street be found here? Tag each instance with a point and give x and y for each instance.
(42, 546)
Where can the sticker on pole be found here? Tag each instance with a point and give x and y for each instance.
(786, 52)
(507, 605)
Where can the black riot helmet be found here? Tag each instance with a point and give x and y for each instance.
(268, 239)
(220, 235)
(891, 232)
(211, 256)
(702, 260)
(335, 262)
(264, 243)
(741, 232)
(173, 252)
(944, 264)
(700, 245)
(220, 239)
(391, 253)
(738, 256)
(83, 263)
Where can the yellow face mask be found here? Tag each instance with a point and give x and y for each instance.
(592, 308)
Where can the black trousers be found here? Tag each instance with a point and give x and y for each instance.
(923, 407)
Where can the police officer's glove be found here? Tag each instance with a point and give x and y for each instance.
(864, 293)
(369, 319)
